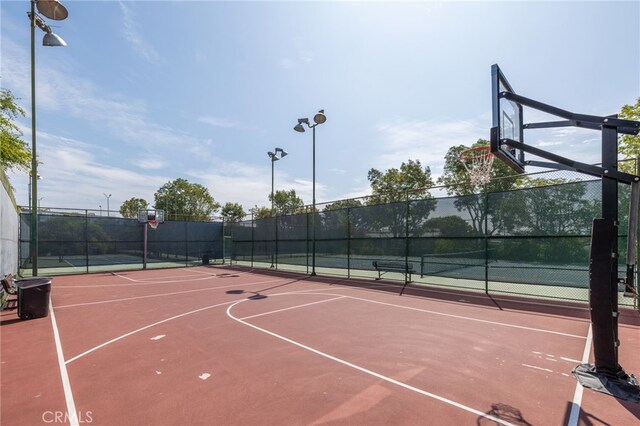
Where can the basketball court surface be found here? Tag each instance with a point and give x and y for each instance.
(229, 345)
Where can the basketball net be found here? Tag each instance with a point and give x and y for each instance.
(153, 224)
(478, 162)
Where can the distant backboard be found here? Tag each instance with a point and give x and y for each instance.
(507, 122)
(148, 215)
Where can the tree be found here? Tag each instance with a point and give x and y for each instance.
(233, 212)
(395, 188)
(182, 200)
(457, 181)
(630, 144)
(15, 152)
(339, 216)
(130, 208)
(286, 202)
(261, 212)
(411, 181)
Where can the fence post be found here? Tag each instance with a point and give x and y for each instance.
(307, 238)
(348, 242)
(486, 240)
(253, 238)
(275, 242)
(406, 236)
(86, 239)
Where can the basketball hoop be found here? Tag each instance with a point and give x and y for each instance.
(153, 224)
(478, 162)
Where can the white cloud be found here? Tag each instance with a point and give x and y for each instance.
(152, 163)
(425, 140)
(131, 33)
(218, 121)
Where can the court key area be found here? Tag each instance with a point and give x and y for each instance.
(232, 346)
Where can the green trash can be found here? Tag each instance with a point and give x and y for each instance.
(33, 297)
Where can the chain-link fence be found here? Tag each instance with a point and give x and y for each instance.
(531, 240)
(75, 242)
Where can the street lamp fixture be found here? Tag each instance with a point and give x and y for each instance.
(55, 10)
(273, 155)
(107, 196)
(319, 118)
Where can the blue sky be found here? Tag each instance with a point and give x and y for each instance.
(147, 92)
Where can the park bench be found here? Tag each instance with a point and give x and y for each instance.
(383, 266)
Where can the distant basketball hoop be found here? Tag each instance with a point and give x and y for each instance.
(478, 162)
(153, 218)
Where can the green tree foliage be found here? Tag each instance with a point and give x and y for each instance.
(182, 200)
(553, 212)
(286, 202)
(14, 152)
(411, 181)
(336, 219)
(261, 212)
(456, 178)
(395, 188)
(233, 212)
(130, 208)
(630, 144)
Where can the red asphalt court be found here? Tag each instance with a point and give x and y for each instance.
(231, 346)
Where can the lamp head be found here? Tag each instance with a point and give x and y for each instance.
(52, 9)
(320, 118)
(282, 152)
(53, 40)
(299, 127)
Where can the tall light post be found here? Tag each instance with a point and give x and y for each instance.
(52, 9)
(29, 193)
(319, 118)
(274, 157)
(107, 196)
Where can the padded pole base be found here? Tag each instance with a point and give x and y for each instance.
(622, 385)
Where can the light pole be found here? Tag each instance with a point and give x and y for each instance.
(100, 209)
(107, 196)
(29, 193)
(39, 200)
(52, 9)
(274, 157)
(319, 118)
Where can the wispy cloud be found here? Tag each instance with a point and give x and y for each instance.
(131, 33)
(152, 163)
(424, 140)
(218, 121)
(300, 54)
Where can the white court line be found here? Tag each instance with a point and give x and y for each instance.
(369, 372)
(155, 295)
(141, 283)
(574, 417)
(145, 328)
(432, 288)
(292, 307)
(66, 384)
(541, 330)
